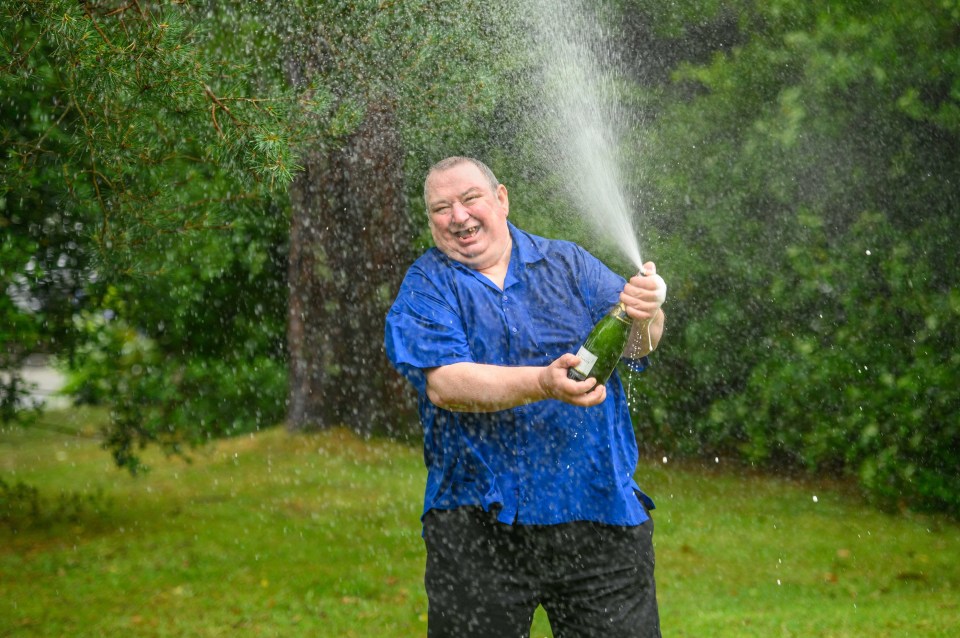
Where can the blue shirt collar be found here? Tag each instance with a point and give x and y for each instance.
(525, 251)
(524, 246)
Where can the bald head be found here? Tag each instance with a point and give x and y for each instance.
(456, 160)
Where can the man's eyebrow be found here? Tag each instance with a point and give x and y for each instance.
(442, 200)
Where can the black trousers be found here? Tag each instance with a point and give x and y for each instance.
(486, 579)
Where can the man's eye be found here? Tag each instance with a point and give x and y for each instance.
(440, 210)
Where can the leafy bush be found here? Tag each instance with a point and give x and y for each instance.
(863, 385)
(140, 193)
(807, 184)
(174, 400)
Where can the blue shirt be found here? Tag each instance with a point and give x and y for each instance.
(543, 463)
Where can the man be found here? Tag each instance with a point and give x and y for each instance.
(530, 498)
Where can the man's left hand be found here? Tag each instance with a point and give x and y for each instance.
(644, 293)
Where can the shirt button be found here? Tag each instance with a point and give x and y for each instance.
(504, 297)
(513, 330)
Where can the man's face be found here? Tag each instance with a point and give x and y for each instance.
(468, 219)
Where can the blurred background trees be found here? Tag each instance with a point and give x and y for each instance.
(137, 205)
(805, 177)
(206, 209)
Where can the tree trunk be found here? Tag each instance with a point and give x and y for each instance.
(350, 243)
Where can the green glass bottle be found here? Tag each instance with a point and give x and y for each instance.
(601, 351)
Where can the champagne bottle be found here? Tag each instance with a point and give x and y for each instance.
(601, 351)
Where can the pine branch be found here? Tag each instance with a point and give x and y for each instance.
(132, 5)
(213, 109)
(93, 21)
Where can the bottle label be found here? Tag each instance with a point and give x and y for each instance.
(587, 360)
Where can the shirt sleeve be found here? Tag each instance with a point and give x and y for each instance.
(423, 330)
(603, 285)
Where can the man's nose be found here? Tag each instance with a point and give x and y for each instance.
(460, 213)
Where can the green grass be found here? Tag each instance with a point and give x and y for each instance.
(318, 535)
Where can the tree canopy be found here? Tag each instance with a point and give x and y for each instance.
(796, 174)
(139, 175)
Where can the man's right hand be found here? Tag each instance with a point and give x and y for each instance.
(556, 385)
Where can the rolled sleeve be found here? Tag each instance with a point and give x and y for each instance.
(423, 331)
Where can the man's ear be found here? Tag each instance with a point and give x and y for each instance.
(504, 198)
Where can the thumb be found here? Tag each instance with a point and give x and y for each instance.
(567, 360)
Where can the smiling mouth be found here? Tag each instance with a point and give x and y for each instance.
(468, 233)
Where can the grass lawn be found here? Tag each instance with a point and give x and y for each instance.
(318, 535)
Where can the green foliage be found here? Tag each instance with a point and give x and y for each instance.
(192, 353)
(807, 191)
(141, 179)
(19, 333)
(139, 125)
(176, 402)
(862, 383)
(148, 145)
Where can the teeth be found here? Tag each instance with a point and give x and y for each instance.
(470, 232)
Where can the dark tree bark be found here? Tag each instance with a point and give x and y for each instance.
(350, 244)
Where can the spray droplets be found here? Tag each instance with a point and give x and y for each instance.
(585, 125)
